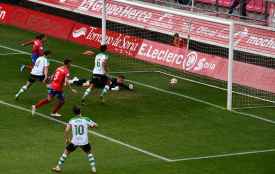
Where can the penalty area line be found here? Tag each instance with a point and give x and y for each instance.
(7, 54)
(91, 132)
(136, 148)
(224, 155)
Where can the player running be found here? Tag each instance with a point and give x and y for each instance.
(55, 88)
(39, 72)
(78, 126)
(37, 50)
(99, 78)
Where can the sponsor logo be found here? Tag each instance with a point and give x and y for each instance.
(262, 42)
(190, 61)
(193, 63)
(2, 13)
(79, 32)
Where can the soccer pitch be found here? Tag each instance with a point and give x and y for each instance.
(152, 130)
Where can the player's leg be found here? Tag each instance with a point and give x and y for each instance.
(24, 87)
(33, 57)
(87, 92)
(106, 82)
(60, 103)
(43, 102)
(87, 149)
(70, 148)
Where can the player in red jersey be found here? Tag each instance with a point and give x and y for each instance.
(55, 88)
(37, 49)
(178, 41)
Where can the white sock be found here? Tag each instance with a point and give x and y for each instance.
(105, 90)
(86, 93)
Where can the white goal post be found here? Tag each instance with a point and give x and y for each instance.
(190, 15)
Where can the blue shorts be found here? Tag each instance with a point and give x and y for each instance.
(58, 94)
(34, 58)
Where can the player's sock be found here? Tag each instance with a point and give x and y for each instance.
(62, 160)
(91, 159)
(86, 93)
(105, 90)
(22, 67)
(57, 107)
(22, 89)
(41, 103)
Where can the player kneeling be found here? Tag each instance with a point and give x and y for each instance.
(78, 126)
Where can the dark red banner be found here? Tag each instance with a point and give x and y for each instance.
(39, 22)
(253, 39)
(245, 74)
(5, 10)
(117, 42)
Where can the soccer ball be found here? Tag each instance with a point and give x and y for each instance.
(173, 82)
(131, 86)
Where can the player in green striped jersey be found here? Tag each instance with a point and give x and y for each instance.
(78, 126)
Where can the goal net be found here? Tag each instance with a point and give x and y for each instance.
(253, 70)
(207, 55)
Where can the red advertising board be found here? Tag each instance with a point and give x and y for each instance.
(249, 38)
(207, 65)
(117, 42)
(39, 22)
(198, 63)
(4, 12)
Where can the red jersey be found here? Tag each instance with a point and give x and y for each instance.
(37, 47)
(179, 42)
(59, 78)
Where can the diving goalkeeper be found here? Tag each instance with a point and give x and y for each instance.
(117, 83)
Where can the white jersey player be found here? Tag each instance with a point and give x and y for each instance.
(39, 72)
(99, 78)
(100, 66)
(78, 127)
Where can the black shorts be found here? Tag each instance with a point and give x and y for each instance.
(33, 78)
(86, 148)
(99, 80)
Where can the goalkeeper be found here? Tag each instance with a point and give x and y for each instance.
(117, 83)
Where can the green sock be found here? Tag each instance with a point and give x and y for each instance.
(62, 160)
(91, 160)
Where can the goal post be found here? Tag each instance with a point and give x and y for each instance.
(103, 22)
(186, 31)
(230, 65)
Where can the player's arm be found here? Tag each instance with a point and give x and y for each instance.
(69, 85)
(105, 65)
(88, 53)
(26, 43)
(46, 71)
(67, 133)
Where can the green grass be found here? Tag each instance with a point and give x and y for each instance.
(165, 124)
